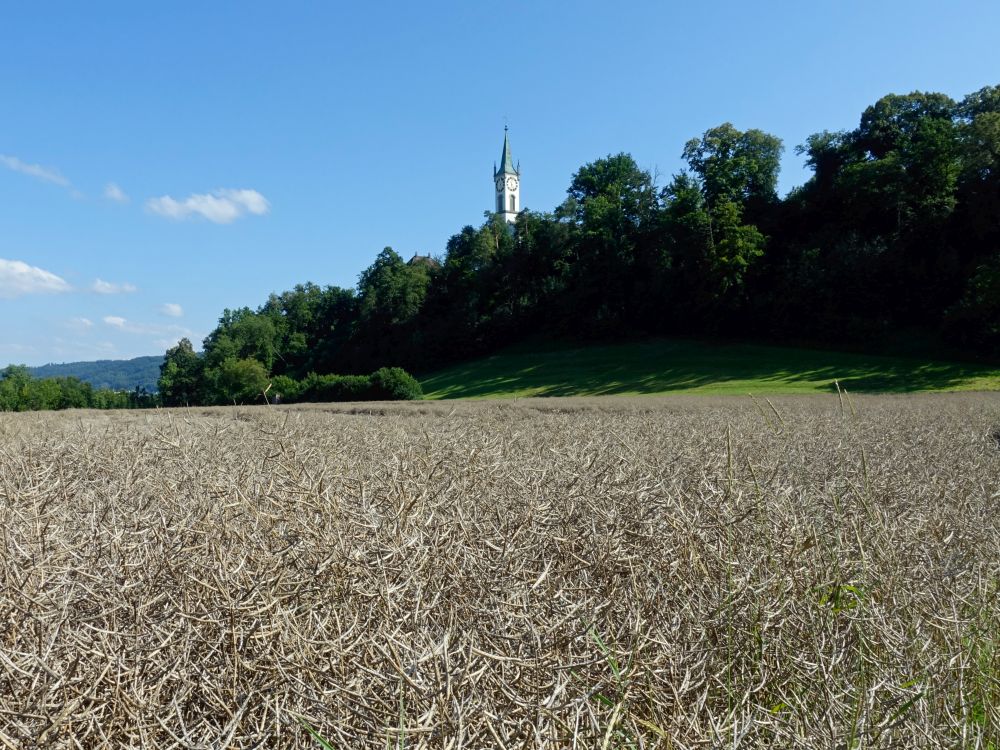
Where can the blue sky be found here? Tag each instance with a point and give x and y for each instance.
(161, 162)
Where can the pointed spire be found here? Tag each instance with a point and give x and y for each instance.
(506, 162)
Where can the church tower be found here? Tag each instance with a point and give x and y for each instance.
(507, 181)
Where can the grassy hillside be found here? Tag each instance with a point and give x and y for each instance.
(663, 366)
(116, 374)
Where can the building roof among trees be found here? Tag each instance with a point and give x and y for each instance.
(425, 260)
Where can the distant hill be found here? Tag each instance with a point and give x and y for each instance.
(116, 374)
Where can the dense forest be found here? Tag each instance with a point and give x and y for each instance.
(895, 236)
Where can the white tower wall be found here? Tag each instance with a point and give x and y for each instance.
(504, 197)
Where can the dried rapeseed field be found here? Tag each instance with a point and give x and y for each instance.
(611, 573)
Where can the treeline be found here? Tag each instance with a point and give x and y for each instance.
(897, 232)
(188, 379)
(385, 384)
(20, 391)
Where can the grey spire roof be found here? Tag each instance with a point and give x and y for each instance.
(506, 162)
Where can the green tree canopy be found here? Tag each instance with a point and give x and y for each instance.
(736, 166)
(180, 375)
(241, 380)
(612, 196)
(391, 290)
(895, 120)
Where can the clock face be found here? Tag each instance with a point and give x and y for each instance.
(512, 183)
(500, 184)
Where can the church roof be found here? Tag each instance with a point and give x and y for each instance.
(423, 260)
(506, 162)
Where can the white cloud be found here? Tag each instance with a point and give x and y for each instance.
(172, 310)
(106, 287)
(80, 324)
(220, 206)
(45, 174)
(115, 193)
(145, 329)
(18, 278)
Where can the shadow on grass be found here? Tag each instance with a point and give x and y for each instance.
(664, 366)
(901, 379)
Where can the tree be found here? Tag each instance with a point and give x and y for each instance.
(881, 208)
(535, 268)
(827, 153)
(736, 167)
(241, 380)
(981, 102)
(735, 246)
(979, 180)
(391, 294)
(612, 195)
(335, 322)
(73, 393)
(14, 384)
(710, 217)
(312, 324)
(461, 294)
(895, 120)
(180, 375)
(394, 384)
(712, 246)
(975, 320)
(243, 334)
(392, 291)
(910, 149)
(614, 206)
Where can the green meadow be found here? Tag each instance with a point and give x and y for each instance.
(673, 366)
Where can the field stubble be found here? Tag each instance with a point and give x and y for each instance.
(615, 573)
